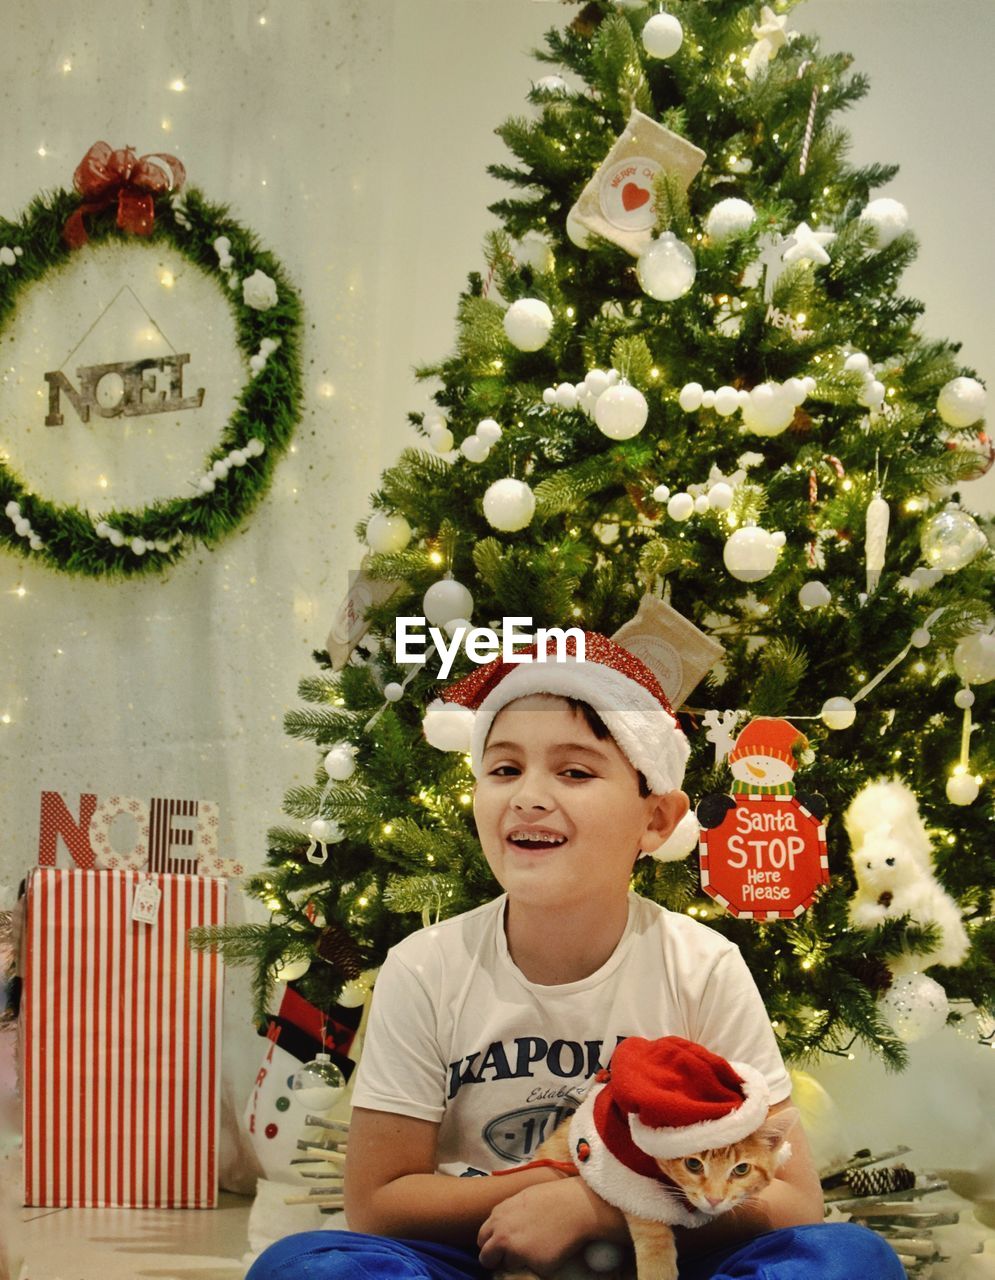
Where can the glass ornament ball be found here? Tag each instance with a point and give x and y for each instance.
(393, 691)
(340, 762)
(951, 539)
(577, 233)
(974, 657)
(888, 217)
(317, 1085)
(963, 788)
(964, 698)
(962, 402)
(621, 412)
(291, 970)
(663, 35)
(528, 324)
(387, 533)
(729, 217)
(916, 1006)
(838, 713)
(920, 637)
(814, 595)
(445, 600)
(509, 505)
(666, 268)
(489, 431)
(751, 553)
(720, 496)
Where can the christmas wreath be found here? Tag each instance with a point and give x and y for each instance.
(119, 195)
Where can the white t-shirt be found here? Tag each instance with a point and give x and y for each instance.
(458, 1035)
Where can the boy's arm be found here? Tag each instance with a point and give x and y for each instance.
(792, 1199)
(391, 1188)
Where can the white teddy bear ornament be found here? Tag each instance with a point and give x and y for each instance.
(892, 860)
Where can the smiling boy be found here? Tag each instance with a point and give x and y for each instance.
(486, 1028)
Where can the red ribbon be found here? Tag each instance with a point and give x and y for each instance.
(104, 176)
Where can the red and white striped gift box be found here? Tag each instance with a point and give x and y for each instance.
(121, 1042)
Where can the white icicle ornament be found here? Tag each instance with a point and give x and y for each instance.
(875, 538)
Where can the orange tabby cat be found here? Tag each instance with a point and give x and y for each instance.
(628, 1141)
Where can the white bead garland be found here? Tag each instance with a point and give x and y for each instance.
(22, 526)
(257, 362)
(220, 469)
(9, 256)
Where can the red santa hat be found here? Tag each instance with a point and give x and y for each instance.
(661, 1099)
(769, 736)
(619, 687)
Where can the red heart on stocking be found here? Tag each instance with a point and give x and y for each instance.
(633, 197)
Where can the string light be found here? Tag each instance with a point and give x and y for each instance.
(177, 85)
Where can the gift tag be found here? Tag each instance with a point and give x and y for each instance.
(145, 907)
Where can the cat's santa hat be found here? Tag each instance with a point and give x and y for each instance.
(661, 1099)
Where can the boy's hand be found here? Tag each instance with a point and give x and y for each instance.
(543, 1225)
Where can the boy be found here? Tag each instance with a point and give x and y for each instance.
(485, 1028)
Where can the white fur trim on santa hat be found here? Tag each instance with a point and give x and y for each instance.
(619, 1185)
(646, 734)
(668, 1143)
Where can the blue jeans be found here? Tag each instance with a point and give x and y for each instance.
(826, 1251)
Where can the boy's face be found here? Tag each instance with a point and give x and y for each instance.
(558, 810)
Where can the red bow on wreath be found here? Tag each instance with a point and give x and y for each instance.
(104, 176)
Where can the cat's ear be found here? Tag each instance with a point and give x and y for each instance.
(776, 1128)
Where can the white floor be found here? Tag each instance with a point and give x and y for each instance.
(128, 1244)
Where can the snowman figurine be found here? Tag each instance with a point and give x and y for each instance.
(763, 763)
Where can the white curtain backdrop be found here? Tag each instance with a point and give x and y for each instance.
(353, 138)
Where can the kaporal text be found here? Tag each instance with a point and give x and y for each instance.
(483, 644)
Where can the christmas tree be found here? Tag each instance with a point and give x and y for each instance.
(687, 373)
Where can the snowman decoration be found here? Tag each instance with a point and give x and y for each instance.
(763, 846)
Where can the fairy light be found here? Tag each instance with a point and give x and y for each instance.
(166, 278)
(570, 312)
(364, 902)
(42, 151)
(654, 372)
(5, 718)
(465, 798)
(435, 557)
(67, 66)
(178, 85)
(388, 827)
(913, 504)
(847, 484)
(497, 364)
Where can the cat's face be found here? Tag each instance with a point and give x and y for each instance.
(717, 1180)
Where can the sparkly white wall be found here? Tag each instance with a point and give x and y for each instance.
(353, 138)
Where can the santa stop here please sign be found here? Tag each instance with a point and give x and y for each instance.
(766, 858)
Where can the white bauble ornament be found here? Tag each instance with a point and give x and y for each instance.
(964, 698)
(701, 504)
(666, 268)
(597, 381)
(474, 449)
(662, 35)
(291, 970)
(795, 389)
(489, 431)
(533, 251)
(456, 624)
(962, 402)
(857, 362)
(916, 1006)
(549, 396)
(387, 533)
(889, 218)
(962, 788)
(318, 1084)
(720, 496)
(356, 992)
(566, 395)
(951, 539)
(728, 218)
(814, 595)
(680, 506)
(621, 411)
(393, 691)
(553, 84)
(661, 493)
(441, 439)
(871, 394)
(838, 713)
(577, 233)
(691, 396)
(325, 831)
(447, 726)
(751, 553)
(770, 409)
(445, 600)
(509, 505)
(528, 324)
(681, 841)
(726, 401)
(340, 762)
(974, 658)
